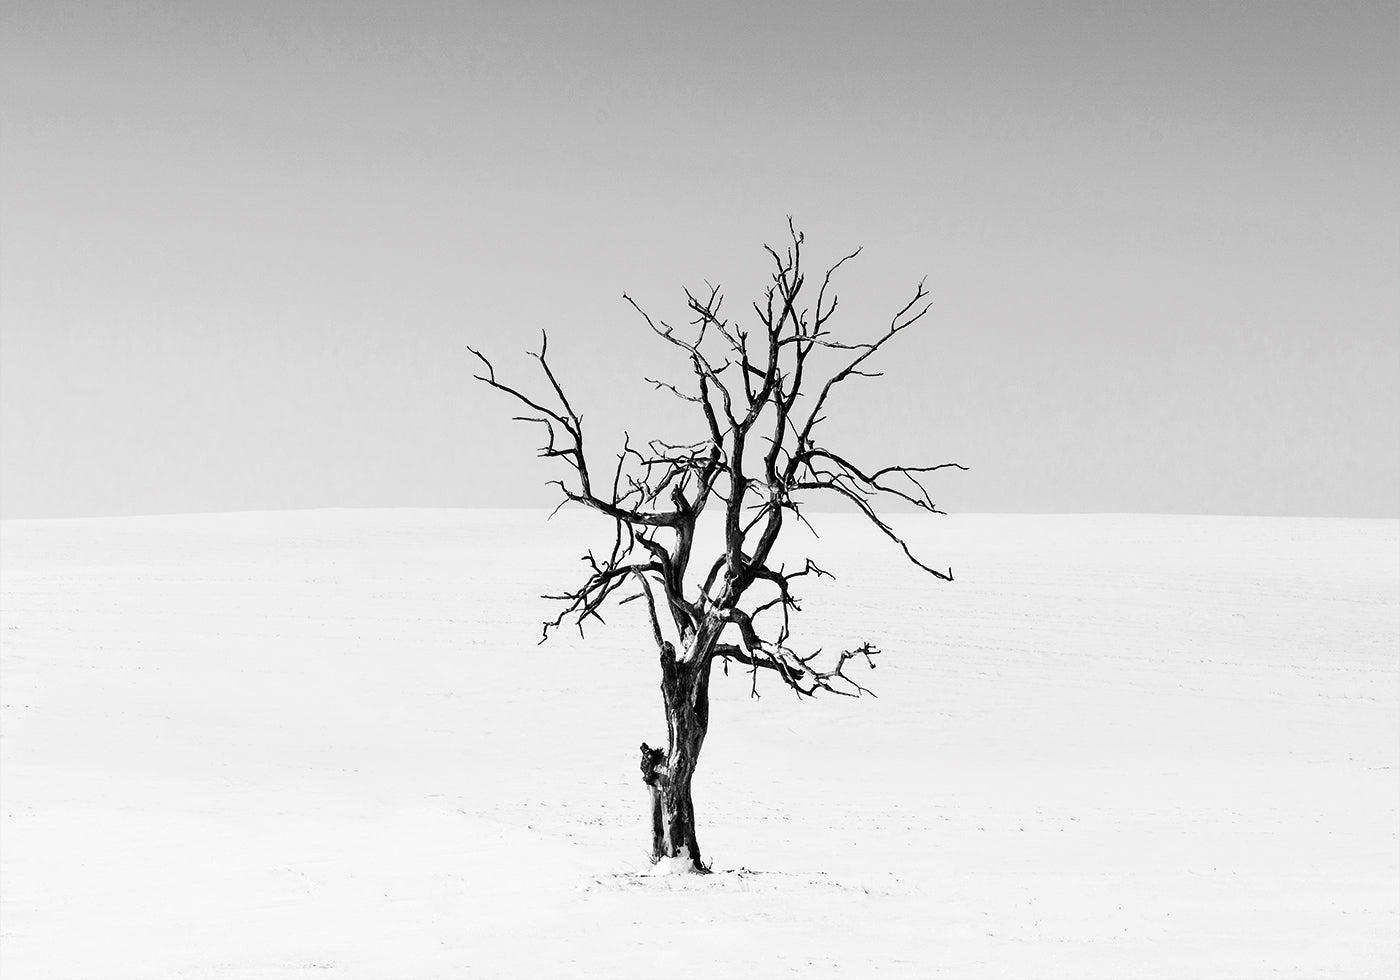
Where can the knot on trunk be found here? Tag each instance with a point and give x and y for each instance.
(653, 764)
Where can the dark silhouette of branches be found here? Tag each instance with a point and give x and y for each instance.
(758, 457)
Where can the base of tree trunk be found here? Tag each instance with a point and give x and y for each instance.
(674, 849)
(681, 864)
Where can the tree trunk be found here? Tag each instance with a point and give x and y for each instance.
(668, 773)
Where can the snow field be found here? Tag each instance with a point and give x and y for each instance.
(326, 744)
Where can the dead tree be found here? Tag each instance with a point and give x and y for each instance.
(758, 458)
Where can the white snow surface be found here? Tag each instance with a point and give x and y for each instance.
(681, 864)
(325, 743)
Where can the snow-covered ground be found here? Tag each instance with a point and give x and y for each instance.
(326, 744)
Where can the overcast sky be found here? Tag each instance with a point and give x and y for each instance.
(243, 247)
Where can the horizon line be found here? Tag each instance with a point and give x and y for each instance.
(551, 511)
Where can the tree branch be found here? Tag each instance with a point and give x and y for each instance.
(658, 490)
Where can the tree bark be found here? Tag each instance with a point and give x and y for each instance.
(668, 773)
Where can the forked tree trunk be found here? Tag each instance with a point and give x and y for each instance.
(668, 772)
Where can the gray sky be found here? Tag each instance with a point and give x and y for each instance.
(243, 247)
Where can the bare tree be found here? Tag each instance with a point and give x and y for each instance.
(759, 456)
